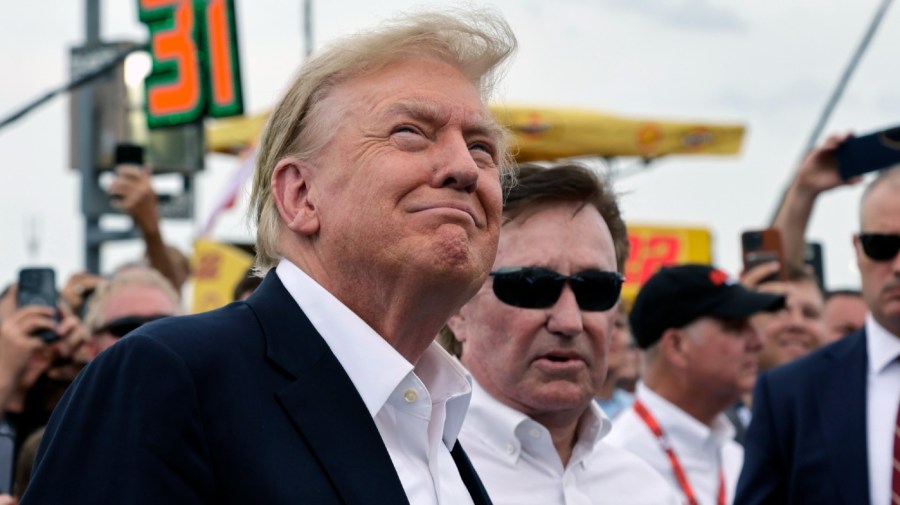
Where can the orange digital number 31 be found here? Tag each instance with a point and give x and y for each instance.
(195, 60)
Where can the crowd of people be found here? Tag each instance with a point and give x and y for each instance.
(429, 323)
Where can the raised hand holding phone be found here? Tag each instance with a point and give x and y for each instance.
(759, 247)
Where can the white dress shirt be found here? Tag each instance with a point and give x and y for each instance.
(882, 400)
(518, 464)
(418, 409)
(701, 450)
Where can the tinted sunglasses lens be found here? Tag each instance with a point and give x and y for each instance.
(121, 327)
(528, 288)
(596, 290)
(880, 247)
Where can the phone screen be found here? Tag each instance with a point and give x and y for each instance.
(763, 246)
(37, 286)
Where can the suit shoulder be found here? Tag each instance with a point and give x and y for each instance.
(208, 329)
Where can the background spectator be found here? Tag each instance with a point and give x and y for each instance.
(700, 355)
(130, 298)
(33, 373)
(817, 173)
(845, 312)
(824, 428)
(132, 192)
(611, 397)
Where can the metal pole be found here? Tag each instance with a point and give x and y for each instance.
(845, 77)
(838, 92)
(86, 136)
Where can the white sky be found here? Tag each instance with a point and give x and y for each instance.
(768, 64)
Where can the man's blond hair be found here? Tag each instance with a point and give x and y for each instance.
(475, 42)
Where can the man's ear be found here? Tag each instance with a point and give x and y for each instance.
(456, 323)
(673, 344)
(291, 190)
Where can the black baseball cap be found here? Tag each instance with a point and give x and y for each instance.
(677, 296)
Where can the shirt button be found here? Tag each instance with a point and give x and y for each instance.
(535, 433)
(410, 396)
(510, 449)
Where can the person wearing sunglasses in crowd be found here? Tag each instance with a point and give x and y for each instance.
(535, 339)
(700, 355)
(132, 297)
(825, 428)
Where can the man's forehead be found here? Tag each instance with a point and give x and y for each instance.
(881, 203)
(529, 236)
(476, 117)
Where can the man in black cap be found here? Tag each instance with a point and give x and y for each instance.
(700, 355)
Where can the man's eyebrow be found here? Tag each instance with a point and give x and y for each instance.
(423, 110)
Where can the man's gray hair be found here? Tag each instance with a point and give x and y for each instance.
(475, 42)
(132, 275)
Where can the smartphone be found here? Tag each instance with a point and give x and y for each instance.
(763, 246)
(130, 154)
(37, 286)
(868, 153)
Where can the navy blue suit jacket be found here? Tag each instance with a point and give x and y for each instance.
(807, 441)
(245, 404)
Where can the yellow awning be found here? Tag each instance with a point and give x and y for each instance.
(543, 133)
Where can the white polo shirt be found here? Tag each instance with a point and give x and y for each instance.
(702, 450)
(518, 464)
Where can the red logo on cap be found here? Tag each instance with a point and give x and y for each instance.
(718, 277)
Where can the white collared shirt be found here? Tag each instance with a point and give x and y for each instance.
(882, 401)
(518, 464)
(418, 409)
(701, 450)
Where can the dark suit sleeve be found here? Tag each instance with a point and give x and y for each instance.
(763, 477)
(128, 431)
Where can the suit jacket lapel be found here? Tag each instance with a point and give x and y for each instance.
(470, 478)
(842, 412)
(323, 403)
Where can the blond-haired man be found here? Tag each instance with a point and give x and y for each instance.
(378, 202)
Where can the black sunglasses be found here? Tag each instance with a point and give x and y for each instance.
(539, 288)
(880, 246)
(125, 325)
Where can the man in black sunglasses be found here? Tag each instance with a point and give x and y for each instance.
(535, 338)
(131, 298)
(826, 428)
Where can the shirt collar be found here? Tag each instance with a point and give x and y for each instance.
(678, 423)
(375, 368)
(883, 346)
(508, 430)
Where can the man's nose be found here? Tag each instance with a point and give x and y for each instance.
(565, 315)
(456, 168)
(754, 338)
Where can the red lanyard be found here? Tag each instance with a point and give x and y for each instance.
(680, 476)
